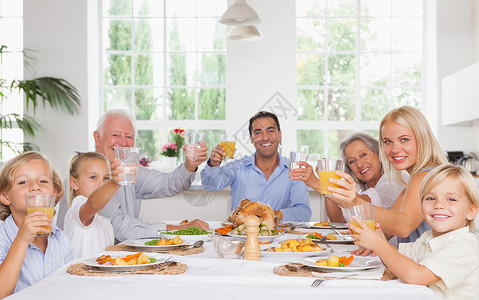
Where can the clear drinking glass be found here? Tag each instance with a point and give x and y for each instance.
(294, 157)
(364, 212)
(327, 169)
(129, 158)
(42, 202)
(228, 142)
(193, 140)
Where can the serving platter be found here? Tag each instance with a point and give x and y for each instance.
(140, 245)
(91, 262)
(359, 263)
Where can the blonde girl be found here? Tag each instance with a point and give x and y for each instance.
(90, 189)
(444, 258)
(22, 253)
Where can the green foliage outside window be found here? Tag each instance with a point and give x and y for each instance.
(188, 94)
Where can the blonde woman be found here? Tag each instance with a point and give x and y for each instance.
(406, 143)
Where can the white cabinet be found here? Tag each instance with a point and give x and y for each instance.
(460, 96)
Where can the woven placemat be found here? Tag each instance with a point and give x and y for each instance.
(122, 247)
(81, 269)
(305, 271)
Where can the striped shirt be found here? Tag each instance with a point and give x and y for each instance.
(36, 264)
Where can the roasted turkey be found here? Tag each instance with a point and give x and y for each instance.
(262, 210)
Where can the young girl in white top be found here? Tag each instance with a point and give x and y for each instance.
(91, 188)
(445, 258)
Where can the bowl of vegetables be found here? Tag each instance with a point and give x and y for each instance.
(191, 234)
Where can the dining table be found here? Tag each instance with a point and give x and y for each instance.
(210, 277)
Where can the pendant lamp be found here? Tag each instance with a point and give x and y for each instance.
(240, 13)
(245, 33)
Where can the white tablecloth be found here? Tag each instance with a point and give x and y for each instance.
(210, 277)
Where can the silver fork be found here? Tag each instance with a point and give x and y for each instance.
(318, 281)
(323, 239)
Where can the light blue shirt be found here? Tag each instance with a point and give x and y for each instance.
(36, 264)
(248, 182)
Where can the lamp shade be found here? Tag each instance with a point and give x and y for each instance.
(245, 33)
(240, 13)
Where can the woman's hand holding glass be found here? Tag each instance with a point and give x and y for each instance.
(346, 194)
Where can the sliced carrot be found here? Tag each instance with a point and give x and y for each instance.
(341, 258)
(131, 256)
(348, 260)
(264, 243)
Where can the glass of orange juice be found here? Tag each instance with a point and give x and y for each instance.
(327, 169)
(228, 142)
(364, 212)
(42, 202)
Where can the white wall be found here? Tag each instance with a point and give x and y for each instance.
(57, 31)
(456, 49)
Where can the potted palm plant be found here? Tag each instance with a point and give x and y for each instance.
(55, 92)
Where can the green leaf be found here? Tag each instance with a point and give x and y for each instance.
(56, 91)
(25, 123)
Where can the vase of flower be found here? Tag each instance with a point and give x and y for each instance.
(171, 151)
(169, 162)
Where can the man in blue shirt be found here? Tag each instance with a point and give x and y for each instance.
(263, 176)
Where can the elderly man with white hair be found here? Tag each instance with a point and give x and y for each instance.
(115, 129)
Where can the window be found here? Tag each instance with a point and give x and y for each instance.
(356, 60)
(11, 67)
(165, 61)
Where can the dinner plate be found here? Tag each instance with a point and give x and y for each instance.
(358, 263)
(336, 225)
(341, 239)
(140, 245)
(91, 262)
(263, 239)
(293, 255)
(189, 238)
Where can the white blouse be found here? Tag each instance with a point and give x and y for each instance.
(86, 240)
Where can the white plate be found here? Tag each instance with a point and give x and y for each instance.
(91, 262)
(262, 239)
(189, 238)
(336, 225)
(292, 255)
(341, 239)
(140, 245)
(358, 263)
